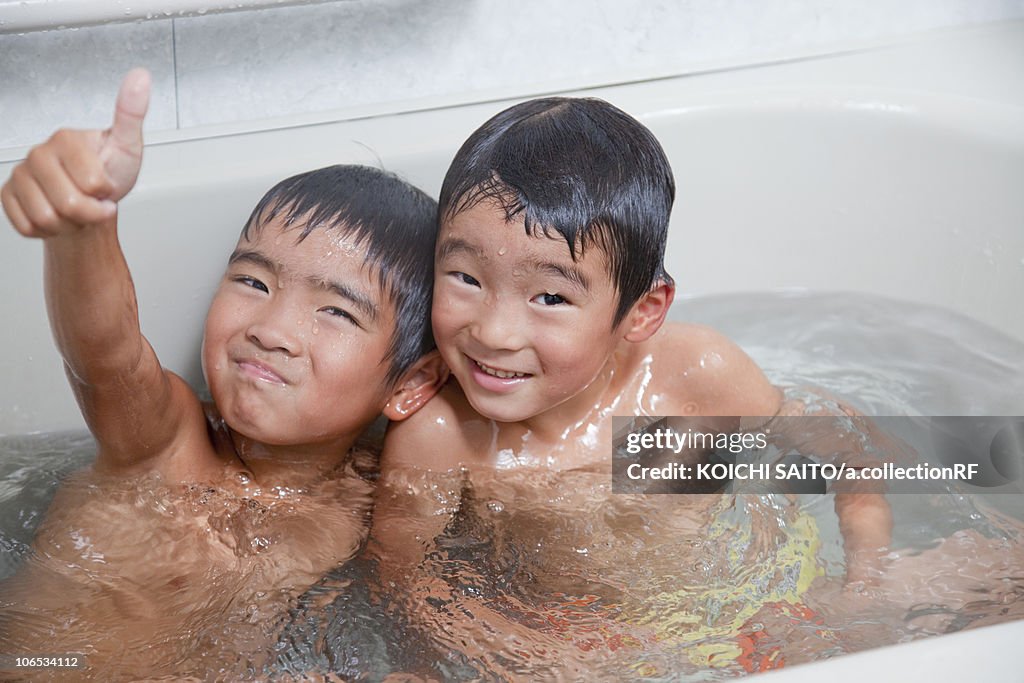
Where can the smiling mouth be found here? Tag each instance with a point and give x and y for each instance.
(501, 374)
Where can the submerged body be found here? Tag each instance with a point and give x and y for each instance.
(144, 577)
(591, 584)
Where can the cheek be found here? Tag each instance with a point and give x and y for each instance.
(446, 318)
(225, 313)
(345, 363)
(561, 356)
(570, 350)
(214, 332)
(329, 355)
(225, 320)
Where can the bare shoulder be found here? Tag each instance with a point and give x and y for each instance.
(179, 446)
(442, 435)
(698, 370)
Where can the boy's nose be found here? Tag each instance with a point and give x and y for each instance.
(499, 327)
(276, 330)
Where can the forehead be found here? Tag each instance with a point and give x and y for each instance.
(326, 258)
(324, 250)
(484, 232)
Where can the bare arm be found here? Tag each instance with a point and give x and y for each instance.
(716, 377)
(65, 192)
(865, 517)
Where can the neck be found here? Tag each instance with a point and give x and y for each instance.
(293, 465)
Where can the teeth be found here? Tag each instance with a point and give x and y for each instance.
(499, 373)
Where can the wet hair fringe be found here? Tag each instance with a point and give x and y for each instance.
(395, 221)
(578, 168)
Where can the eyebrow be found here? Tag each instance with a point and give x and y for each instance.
(361, 301)
(573, 275)
(252, 257)
(454, 245)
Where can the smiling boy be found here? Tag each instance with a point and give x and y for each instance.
(179, 549)
(550, 294)
(549, 307)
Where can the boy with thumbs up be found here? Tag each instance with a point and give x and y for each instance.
(198, 521)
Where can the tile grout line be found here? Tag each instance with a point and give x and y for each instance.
(174, 65)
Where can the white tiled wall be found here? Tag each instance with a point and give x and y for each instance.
(68, 78)
(247, 66)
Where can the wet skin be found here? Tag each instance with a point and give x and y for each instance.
(296, 327)
(507, 303)
(195, 519)
(245, 518)
(539, 370)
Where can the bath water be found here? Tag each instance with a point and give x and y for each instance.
(664, 586)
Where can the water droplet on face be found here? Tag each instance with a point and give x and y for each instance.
(502, 251)
(243, 478)
(316, 327)
(495, 506)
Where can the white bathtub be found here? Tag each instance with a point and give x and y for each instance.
(895, 171)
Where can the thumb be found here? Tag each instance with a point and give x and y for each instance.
(121, 153)
(132, 103)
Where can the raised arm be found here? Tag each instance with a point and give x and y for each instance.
(66, 193)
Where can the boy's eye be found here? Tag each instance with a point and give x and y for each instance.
(252, 282)
(341, 313)
(468, 279)
(549, 299)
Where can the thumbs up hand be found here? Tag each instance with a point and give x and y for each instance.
(77, 177)
(121, 153)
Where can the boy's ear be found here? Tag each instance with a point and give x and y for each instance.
(648, 314)
(419, 384)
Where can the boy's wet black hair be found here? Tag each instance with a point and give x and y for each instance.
(394, 220)
(578, 166)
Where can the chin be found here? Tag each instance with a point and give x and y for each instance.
(494, 410)
(252, 427)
